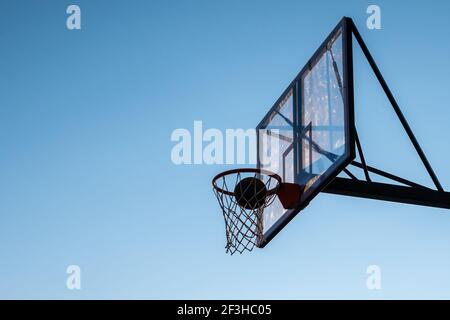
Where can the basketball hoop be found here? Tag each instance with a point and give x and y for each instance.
(243, 194)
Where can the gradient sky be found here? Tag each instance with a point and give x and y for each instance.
(86, 176)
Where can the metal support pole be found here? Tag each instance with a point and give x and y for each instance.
(389, 192)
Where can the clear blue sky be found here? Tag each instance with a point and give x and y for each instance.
(85, 171)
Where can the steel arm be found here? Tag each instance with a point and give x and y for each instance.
(389, 192)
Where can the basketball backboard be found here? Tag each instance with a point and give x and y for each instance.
(307, 137)
(304, 142)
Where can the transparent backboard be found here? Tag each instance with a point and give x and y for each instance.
(276, 151)
(307, 136)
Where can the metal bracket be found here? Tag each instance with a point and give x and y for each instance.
(411, 193)
(395, 106)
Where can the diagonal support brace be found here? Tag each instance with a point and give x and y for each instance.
(396, 107)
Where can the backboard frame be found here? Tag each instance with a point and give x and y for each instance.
(345, 27)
